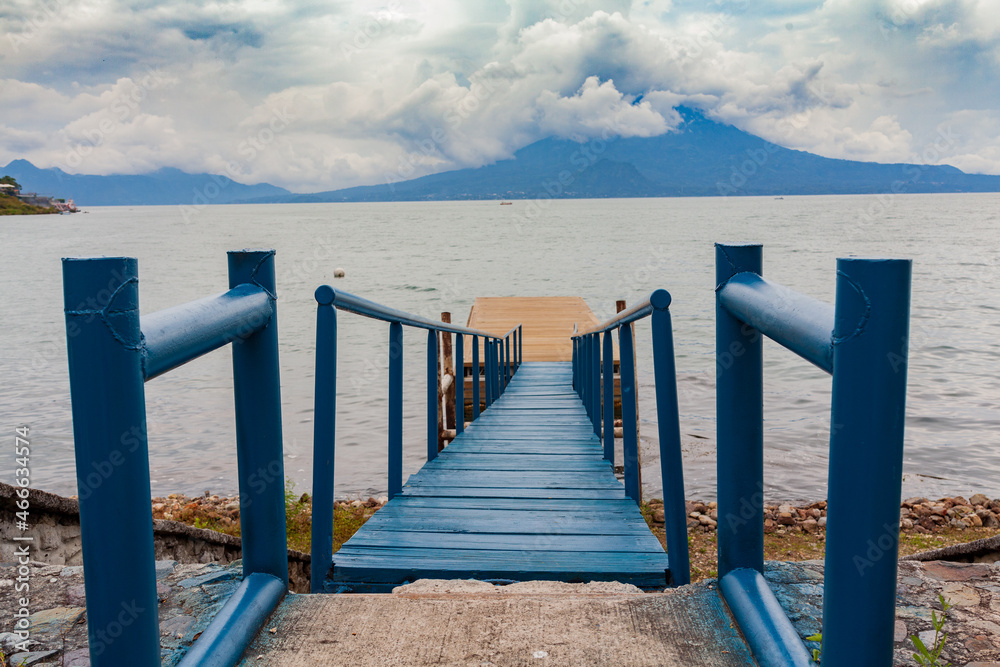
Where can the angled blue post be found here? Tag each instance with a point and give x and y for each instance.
(395, 409)
(630, 414)
(609, 398)
(669, 430)
(324, 438)
(432, 394)
(871, 329)
(459, 384)
(104, 345)
(475, 378)
(740, 422)
(596, 374)
(260, 457)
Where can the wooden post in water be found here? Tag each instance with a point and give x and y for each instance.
(447, 383)
(619, 307)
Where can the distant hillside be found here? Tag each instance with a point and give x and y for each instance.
(701, 158)
(14, 206)
(166, 186)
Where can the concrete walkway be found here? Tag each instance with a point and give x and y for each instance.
(435, 622)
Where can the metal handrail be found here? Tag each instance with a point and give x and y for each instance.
(500, 363)
(593, 379)
(112, 352)
(861, 341)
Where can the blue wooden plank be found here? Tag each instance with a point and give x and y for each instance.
(523, 493)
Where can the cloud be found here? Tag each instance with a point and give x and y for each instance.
(374, 90)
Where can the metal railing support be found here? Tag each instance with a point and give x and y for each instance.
(520, 345)
(475, 378)
(739, 417)
(257, 389)
(459, 384)
(630, 438)
(395, 409)
(596, 372)
(488, 370)
(576, 365)
(104, 345)
(432, 394)
(871, 329)
(669, 430)
(507, 362)
(609, 398)
(324, 439)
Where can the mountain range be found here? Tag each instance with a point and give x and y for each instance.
(700, 158)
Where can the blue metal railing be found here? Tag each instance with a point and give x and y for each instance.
(591, 374)
(112, 352)
(861, 340)
(500, 362)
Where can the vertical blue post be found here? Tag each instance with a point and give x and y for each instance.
(104, 345)
(496, 370)
(740, 422)
(260, 457)
(507, 366)
(630, 414)
(395, 409)
(475, 378)
(870, 333)
(459, 384)
(488, 370)
(596, 365)
(669, 427)
(432, 394)
(609, 398)
(576, 365)
(324, 432)
(586, 361)
(520, 345)
(502, 368)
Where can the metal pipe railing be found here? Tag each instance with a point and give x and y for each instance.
(863, 345)
(593, 371)
(497, 364)
(112, 352)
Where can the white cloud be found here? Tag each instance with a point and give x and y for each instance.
(375, 90)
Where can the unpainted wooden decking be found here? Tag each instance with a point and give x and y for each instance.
(523, 494)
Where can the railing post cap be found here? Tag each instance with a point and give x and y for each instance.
(660, 299)
(325, 295)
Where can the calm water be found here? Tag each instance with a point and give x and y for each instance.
(432, 257)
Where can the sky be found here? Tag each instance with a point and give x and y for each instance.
(317, 95)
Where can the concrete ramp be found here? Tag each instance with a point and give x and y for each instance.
(435, 622)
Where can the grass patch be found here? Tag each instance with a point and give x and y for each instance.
(794, 545)
(14, 206)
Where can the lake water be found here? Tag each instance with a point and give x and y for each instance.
(433, 257)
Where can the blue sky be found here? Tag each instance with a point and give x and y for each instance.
(317, 95)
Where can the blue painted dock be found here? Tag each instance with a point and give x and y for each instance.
(523, 494)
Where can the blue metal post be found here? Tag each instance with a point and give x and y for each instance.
(324, 438)
(496, 369)
(585, 359)
(609, 398)
(669, 427)
(871, 329)
(596, 373)
(104, 345)
(630, 414)
(740, 423)
(576, 365)
(520, 345)
(432, 394)
(502, 368)
(459, 384)
(507, 366)
(488, 370)
(475, 378)
(395, 409)
(257, 388)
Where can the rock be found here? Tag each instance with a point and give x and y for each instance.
(785, 509)
(822, 522)
(177, 626)
(693, 523)
(786, 519)
(899, 631)
(974, 520)
(959, 500)
(382, 500)
(31, 658)
(164, 567)
(55, 621)
(76, 596)
(979, 499)
(810, 525)
(339, 273)
(949, 571)
(988, 518)
(659, 516)
(78, 658)
(356, 503)
(905, 524)
(713, 505)
(706, 521)
(915, 501)
(994, 505)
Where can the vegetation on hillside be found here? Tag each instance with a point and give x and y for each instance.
(14, 206)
